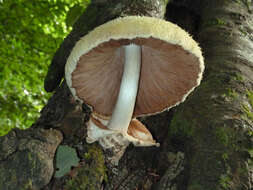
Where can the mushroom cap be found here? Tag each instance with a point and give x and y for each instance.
(172, 65)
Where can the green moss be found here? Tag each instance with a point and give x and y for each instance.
(31, 160)
(225, 156)
(28, 185)
(250, 97)
(224, 181)
(91, 174)
(96, 153)
(239, 77)
(196, 186)
(222, 136)
(247, 108)
(243, 30)
(232, 93)
(213, 22)
(246, 3)
(181, 127)
(247, 111)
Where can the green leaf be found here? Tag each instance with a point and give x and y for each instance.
(27, 46)
(66, 157)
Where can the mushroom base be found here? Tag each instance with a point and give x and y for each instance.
(117, 140)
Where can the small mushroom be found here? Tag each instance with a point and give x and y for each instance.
(129, 67)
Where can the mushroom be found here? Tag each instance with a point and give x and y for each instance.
(130, 67)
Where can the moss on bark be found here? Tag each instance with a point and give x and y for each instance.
(91, 172)
(218, 140)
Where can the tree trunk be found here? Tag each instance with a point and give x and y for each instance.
(217, 120)
(206, 142)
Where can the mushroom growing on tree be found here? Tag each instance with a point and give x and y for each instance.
(129, 67)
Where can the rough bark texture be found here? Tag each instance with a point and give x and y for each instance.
(216, 122)
(26, 158)
(206, 143)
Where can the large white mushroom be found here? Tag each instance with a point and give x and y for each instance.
(130, 67)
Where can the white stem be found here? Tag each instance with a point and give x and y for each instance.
(123, 111)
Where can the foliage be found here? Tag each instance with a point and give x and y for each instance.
(247, 108)
(66, 158)
(30, 32)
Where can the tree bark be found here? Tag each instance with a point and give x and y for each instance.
(206, 142)
(215, 124)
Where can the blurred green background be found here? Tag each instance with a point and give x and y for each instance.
(30, 33)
